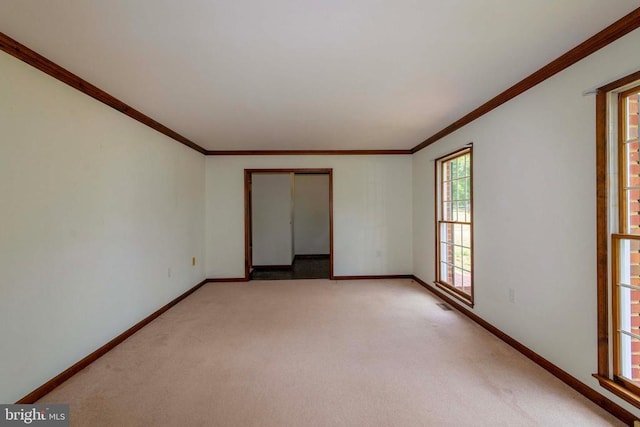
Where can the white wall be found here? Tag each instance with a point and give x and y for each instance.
(311, 214)
(535, 197)
(371, 211)
(95, 208)
(272, 228)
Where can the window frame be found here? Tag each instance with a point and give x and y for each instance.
(467, 299)
(609, 235)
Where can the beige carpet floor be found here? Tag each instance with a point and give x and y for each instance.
(318, 353)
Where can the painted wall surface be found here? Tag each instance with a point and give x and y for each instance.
(95, 208)
(101, 215)
(534, 211)
(371, 211)
(272, 229)
(311, 214)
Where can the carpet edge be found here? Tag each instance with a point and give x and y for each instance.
(56, 381)
(591, 394)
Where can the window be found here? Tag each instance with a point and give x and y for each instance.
(625, 246)
(618, 169)
(454, 224)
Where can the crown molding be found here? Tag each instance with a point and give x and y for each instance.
(613, 32)
(23, 53)
(303, 152)
(603, 38)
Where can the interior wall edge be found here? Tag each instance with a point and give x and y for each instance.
(95, 355)
(613, 32)
(582, 388)
(23, 53)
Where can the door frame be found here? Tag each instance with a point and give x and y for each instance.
(248, 263)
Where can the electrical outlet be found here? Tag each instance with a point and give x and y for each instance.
(169, 272)
(512, 295)
(193, 261)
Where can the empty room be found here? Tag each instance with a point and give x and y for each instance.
(320, 213)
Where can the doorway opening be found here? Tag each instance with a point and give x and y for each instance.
(288, 224)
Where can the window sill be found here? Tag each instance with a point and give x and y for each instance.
(455, 293)
(618, 389)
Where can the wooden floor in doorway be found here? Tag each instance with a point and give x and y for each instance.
(303, 267)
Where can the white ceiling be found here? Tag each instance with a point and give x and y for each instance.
(314, 74)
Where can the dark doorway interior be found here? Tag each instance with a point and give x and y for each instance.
(274, 237)
(303, 267)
